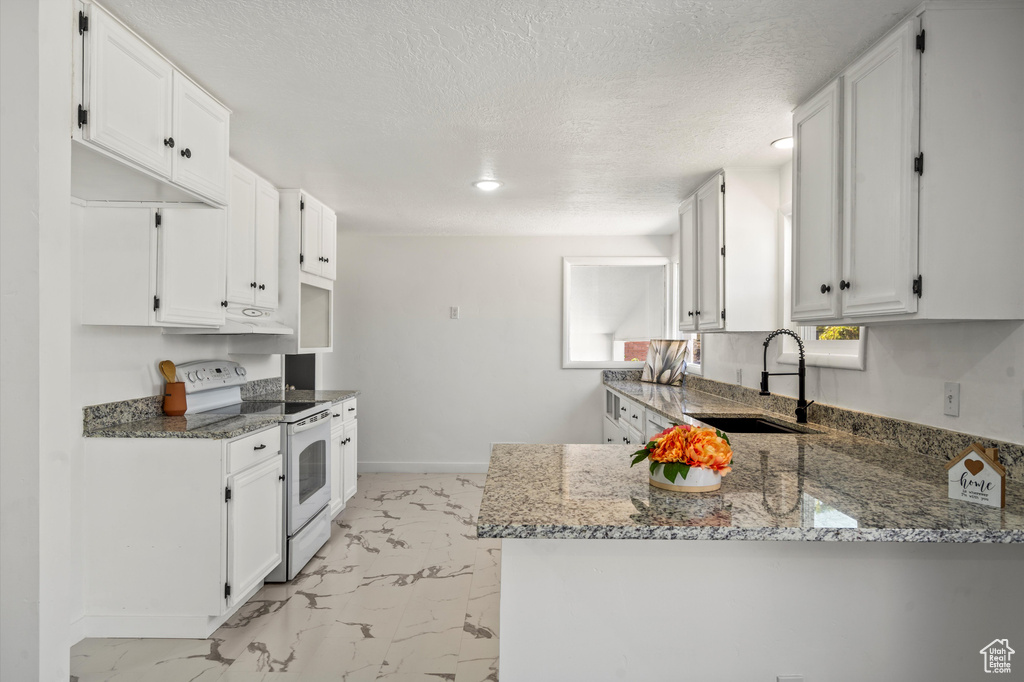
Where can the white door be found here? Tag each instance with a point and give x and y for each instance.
(710, 242)
(337, 468)
(201, 129)
(688, 266)
(190, 266)
(129, 90)
(351, 458)
(241, 258)
(329, 244)
(817, 127)
(255, 525)
(312, 226)
(267, 235)
(879, 183)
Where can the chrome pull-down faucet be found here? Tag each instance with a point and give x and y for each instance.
(801, 402)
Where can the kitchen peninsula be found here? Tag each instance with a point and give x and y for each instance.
(843, 556)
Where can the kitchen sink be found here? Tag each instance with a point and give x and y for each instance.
(752, 424)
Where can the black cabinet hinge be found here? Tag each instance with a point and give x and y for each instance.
(723, 313)
(157, 221)
(227, 494)
(302, 205)
(156, 303)
(917, 286)
(227, 590)
(919, 164)
(83, 116)
(919, 42)
(723, 187)
(302, 259)
(83, 23)
(723, 250)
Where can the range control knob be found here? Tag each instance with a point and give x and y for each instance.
(240, 371)
(201, 374)
(191, 376)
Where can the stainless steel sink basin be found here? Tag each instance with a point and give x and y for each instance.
(751, 424)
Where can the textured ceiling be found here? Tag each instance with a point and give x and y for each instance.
(599, 116)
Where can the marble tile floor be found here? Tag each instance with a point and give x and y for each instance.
(402, 591)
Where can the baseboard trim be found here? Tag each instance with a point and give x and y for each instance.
(423, 467)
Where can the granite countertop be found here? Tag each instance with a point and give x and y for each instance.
(830, 486)
(282, 395)
(210, 426)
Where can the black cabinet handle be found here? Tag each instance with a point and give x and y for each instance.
(252, 284)
(262, 287)
(223, 304)
(281, 477)
(843, 284)
(697, 313)
(327, 260)
(337, 415)
(825, 288)
(187, 153)
(351, 409)
(261, 446)
(169, 142)
(689, 313)
(609, 440)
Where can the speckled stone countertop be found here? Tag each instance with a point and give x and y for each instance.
(830, 486)
(333, 397)
(211, 426)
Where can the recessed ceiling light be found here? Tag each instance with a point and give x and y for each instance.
(783, 143)
(487, 185)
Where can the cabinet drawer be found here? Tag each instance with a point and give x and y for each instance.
(347, 409)
(635, 416)
(253, 448)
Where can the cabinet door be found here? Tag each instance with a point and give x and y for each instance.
(267, 236)
(816, 227)
(610, 432)
(190, 266)
(201, 138)
(312, 230)
(255, 525)
(688, 266)
(129, 90)
(337, 471)
(879, 183)
(351, 458)
(710, 243)
(328, 244)
(241, 278)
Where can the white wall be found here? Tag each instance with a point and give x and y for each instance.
(34, 339)
(437, 392)
(120, 363)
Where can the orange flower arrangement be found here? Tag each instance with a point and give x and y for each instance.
(678, 448)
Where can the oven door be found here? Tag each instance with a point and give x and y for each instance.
(309, 468)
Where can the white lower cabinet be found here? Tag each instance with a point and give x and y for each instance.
(176, 532)
(344, 448)
(611, 432)
(255, 525)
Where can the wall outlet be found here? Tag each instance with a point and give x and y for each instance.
(951, 400)
(739, 377)
(454, 312)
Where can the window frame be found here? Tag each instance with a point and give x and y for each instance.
(625, 261)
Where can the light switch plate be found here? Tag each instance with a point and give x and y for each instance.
(739, 377)
(454, 312)
(951, 399)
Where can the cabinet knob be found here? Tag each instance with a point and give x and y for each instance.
(187, 153)
(609, 440)
(169, 142)
(697, 312)
(281, 477)
(825, 288)
(252, 284)
(843, 284)
(223, 304)
(262, 287)
(689, 313)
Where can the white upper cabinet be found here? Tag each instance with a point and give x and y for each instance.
(268, 216)
(710, 247)
(687, 266)
(190, 267)
(728, 269)
(201, 138)
(312, 230)
(145, 131)
(930, 188)
(253, 215)
(329, 244)
(130, 86)
(817, 153)
(879, 182)
(241, 249)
